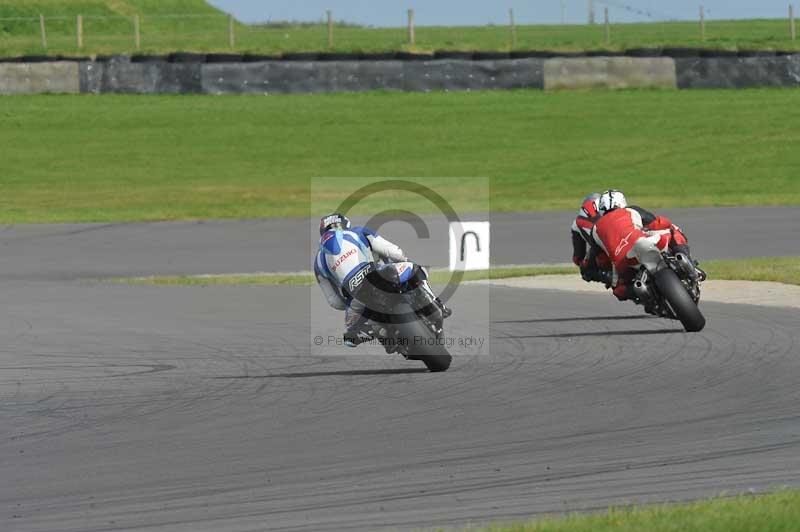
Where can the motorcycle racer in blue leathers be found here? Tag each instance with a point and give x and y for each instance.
(345, 255)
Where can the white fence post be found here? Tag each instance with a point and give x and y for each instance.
(513, 28)
(43, 31)
(608, 27)
(702, 23)
(80, 31)
(137, 34)
(329, 14)
(411, 35)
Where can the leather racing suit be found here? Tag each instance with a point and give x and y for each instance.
(586, 254)
(346, 255)
(622, 233)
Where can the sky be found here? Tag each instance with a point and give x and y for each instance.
(390, 13)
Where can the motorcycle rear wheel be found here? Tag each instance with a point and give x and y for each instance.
(679, 299)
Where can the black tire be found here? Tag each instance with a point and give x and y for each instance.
(300, 56)
(335, 56)
(644, 52)
(604, 53)
(186, 57)
(254, 58)
(410, 56)
(377, 56)
(148, 59)
(757, 53)
(681, 52)
(224, 58)
(679, 299)
(491, 56)
(453, 54)
(429, 352)
(718, 53)
(532, 54)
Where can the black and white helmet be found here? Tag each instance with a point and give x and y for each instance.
(333, 221)
(610, 200)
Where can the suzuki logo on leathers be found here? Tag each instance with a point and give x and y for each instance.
(341, 259)
(624, 242)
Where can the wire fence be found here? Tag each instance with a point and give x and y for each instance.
(98, 34)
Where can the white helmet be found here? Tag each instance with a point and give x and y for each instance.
(610, 200)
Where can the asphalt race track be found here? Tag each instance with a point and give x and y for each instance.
(67, 252)
(204, 409)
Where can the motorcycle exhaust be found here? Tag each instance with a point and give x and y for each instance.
(686, 266)
(641, 291)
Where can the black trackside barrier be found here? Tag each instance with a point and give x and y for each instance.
(758, 53)
(186, 57)
(409, 56)
(300, 56)
(148, 59)
(645, 52)
(456, 54)
(224, 58)
(719, 53)
(491, 56)
(376, 56)
(186, 74)
(288, 77)
(738, 72)
(439, 55)
(256, 58)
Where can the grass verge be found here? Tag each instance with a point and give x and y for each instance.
(306, 279)
(132, 158)
(777, 512)
(778, 269)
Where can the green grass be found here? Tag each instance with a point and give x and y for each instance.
(108, 25)
(777, 269)
(307, 279)
(108, 28)
(115, 158)
(777, 512)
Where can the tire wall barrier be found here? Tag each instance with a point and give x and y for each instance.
(353, 76)
(156, 75)
(738, 72)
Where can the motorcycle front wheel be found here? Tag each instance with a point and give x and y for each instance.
(423, 345)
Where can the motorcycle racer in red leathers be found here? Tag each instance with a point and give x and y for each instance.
(592, 261)
(622, 232)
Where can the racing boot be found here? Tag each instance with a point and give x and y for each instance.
(354, 338)
(446, 311)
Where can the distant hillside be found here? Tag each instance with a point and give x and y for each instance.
(193, 25)
(108, 25)
(32, 8)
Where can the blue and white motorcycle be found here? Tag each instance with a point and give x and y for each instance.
(401, 313)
